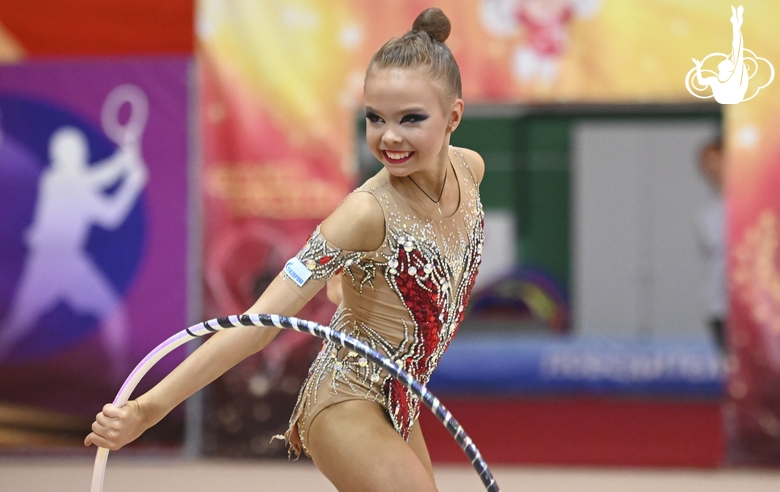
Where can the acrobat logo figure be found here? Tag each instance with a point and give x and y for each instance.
(73, 197)
(730, 84)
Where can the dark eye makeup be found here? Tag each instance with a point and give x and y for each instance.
(414, 118)
(408, 118)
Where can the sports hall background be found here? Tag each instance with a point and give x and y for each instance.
(586, 341)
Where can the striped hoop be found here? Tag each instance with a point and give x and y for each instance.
(312, 328)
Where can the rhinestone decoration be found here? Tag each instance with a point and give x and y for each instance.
(325, 260)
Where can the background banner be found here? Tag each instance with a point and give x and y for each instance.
(264, 190)
(93, 240)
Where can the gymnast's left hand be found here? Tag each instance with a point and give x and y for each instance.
(115, 426)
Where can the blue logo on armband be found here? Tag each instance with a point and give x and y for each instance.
(297, 271)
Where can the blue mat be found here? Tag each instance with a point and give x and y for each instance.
(511, 365)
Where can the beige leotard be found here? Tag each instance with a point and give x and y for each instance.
(405, 300)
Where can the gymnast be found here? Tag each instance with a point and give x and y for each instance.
(404, 248)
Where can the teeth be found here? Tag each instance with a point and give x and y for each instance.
(397, 155)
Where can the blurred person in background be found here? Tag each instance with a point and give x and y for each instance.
(712, 241)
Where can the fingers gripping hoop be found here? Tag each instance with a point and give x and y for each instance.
(312, 328)
(139, 112)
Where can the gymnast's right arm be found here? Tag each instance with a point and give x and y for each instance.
(114, 427)
(357, 225)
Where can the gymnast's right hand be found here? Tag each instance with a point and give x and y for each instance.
(116, 426)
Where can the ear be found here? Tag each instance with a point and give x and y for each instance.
(455, 115)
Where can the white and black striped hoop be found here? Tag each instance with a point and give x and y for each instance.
(312, 328)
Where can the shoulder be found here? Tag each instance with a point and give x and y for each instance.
(474, 161)
(358, 224)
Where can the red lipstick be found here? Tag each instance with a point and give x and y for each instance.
(397, 161)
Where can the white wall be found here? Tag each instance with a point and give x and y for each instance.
(636, 192)
(499, 253)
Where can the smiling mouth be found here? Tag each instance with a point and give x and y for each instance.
(394, 157)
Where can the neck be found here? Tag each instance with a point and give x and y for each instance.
(431, 179)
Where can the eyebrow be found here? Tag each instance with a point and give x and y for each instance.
(414, 109)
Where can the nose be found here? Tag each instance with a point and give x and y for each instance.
(391, 136)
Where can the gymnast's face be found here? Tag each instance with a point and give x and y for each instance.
(407, 121)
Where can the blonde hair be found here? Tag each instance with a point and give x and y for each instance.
(423, 46)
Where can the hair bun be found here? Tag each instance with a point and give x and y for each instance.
(433, 21)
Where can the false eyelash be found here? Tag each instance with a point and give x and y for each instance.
(372, 117)
(414, 118)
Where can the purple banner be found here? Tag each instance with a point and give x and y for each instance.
(93, 240)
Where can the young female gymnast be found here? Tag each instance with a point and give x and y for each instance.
(405, 247)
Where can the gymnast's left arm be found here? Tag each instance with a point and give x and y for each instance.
(475, 162)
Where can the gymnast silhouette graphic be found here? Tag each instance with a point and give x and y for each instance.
(72, 197)
(730, 84)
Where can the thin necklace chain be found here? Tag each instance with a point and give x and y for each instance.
(441, 193)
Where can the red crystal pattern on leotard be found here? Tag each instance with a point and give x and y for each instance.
(426, 294)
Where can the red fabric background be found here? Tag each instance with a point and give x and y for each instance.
(582, 431)
(100, 27)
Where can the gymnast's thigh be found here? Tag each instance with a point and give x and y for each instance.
(420, 448)
(356, 447)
